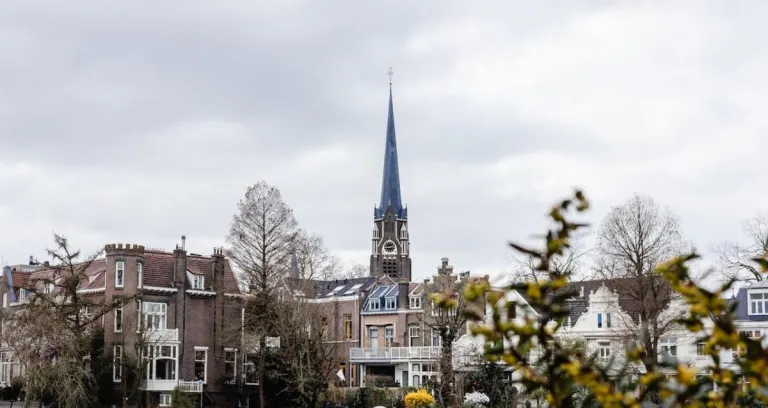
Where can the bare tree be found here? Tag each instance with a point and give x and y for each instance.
(51, 330)
(261, 241)
(632, 241)
(736, 259)
(356, 270)
(524, 268)
(446, 314)
(308, 351)
(314, 259)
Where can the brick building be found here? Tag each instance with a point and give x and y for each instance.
(184, 313)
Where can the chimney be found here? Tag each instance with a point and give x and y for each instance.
(402, 296)
(31, 260)
(218, 264)
(183, 242)
(180, 283)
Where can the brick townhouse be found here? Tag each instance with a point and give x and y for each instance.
(185, 311)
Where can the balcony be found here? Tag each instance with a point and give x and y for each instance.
(163, 335)
(392, 354)
(169, 385)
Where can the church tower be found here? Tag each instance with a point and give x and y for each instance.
(390, 252)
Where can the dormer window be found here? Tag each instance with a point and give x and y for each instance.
(48, 289)
(389, 303)
(758, 303)
(119, 274)
(198, 282)
(374, 304)
(415, 302)
(22, 295)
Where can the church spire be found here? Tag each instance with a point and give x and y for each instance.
(390, 183)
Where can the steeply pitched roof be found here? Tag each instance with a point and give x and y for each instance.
(390, 183)
(383, 291)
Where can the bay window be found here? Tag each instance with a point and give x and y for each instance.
(161, 362)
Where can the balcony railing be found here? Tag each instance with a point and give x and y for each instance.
(169, 385)
(162, 335)
(389, 354)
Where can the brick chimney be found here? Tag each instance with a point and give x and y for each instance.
(403, 289)
(180, 283)
(218, 269)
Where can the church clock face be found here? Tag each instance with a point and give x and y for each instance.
(389, 247)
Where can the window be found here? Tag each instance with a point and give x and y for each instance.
(139, 278)
(161, 362)
(155, 315)
(604, 350)
(251, 373)
(5, 367)
(373, 336)
(198, 282)
(324, 326)
(119, 274)
(413, 335)
(48, 288)
(669, 346)
(5, 299)
(165, 400)
(335, 290)
(201, 361)
(119, 319)
(608, 320)
(22, 295)
(389, 303)
(389, 335)
(599, 320)
(347, 326)
(758, 303)
(435, 338)
(117, 363)
(699, 349)
(415, 302)
(374, 304)
(230, 364)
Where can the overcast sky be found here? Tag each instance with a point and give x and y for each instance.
(140, 121)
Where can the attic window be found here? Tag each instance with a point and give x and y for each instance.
(389, 303)
(758, 303)
(198, 282)
(415, 302)
(374, 304)
(353, 289)
(335, 290)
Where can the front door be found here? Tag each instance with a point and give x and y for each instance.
(404, 383)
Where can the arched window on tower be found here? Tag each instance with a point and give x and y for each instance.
(403, 232)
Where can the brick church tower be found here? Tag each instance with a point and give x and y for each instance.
(390, 252)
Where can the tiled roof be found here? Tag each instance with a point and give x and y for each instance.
(326, 288)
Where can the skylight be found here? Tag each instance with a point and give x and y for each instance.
(353, 289)
(336, 289)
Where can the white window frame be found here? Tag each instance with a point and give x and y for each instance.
(371, 338)
(153, 352)
(604, 350)
(117, 363)
(198, 282)
(374, 304)
(389, 336)
(415, 302)
(435, 340)
(700, 349)
(139, 279)
(22, 294)
(205, 363)
(413, 333)
(120, 274)
(118, 319)
(233, 362)
(48, 288)
(5, 299)
(165, 400)
(390, 303)
(162, 316)
(669, 344)
(758, 307)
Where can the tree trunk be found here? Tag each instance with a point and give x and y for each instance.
(262, 350)
(446, 374)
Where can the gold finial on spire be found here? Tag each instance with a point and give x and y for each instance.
(390, 73)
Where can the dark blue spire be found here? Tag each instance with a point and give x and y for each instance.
(390, 183)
